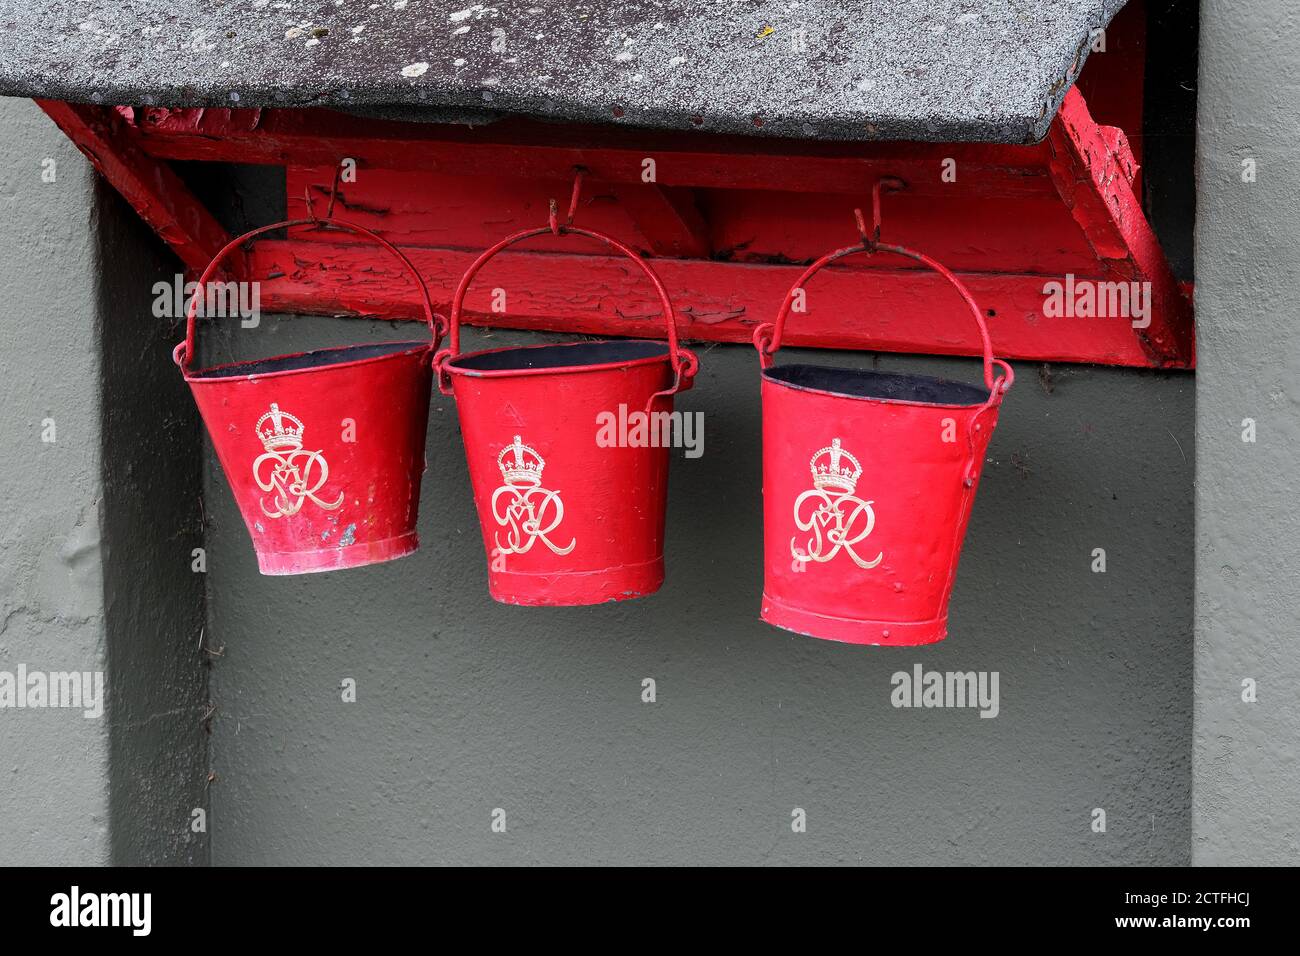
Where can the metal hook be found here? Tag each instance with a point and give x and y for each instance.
(867, 240)
(334, 194)
(579, 174)
(306, 198)
(890, 183)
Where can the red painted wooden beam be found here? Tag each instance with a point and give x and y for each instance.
(1112, 82)
(529, 150)
(150, 186)
(1094, 173)
(668, 219)
(716, 301)
(727, 219)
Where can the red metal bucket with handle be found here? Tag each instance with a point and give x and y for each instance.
(567, 518)
(323, 450)
(868, 482)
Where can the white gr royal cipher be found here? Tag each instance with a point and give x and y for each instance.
(77, 909)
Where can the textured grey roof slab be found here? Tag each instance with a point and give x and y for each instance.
(983, 70)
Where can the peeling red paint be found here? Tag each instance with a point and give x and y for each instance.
(731, 219)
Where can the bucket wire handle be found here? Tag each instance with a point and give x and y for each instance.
(767, 337)
(183, 354)
(684, 362)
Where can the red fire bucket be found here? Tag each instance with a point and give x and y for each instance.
(567, 518)
(868, 482)
(323, 450)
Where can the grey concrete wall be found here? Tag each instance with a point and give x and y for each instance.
(96, 527)
(465, 706)
(54, 804)
(1247, 780)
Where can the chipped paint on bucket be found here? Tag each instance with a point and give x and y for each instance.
(868, 482)
(565, 521)
(319, 441)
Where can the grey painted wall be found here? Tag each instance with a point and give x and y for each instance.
(465, 706)
(54, 804)
(96, 528)
(1247, 780)
(152, 523)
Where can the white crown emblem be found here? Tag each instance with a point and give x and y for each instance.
(280, 430)
(523, 467)
(833, 467)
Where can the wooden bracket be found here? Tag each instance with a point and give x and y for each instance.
(150, 185)
(729, 221)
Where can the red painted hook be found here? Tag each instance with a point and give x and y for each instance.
(334, 194)
(884, 184)
(579, 174)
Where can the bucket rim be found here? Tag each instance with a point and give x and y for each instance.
(770, 375)
(665, 356)
(398, 349)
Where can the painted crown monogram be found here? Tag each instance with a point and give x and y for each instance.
(833, 467)
(279, 430)
(523, 467)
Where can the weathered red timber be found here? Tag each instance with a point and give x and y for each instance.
(729, 221)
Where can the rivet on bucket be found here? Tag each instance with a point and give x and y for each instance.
(868, 481)
(323, 450)
(565, 521)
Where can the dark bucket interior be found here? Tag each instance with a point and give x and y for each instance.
(317, 359)
(559, 356)
(890, 386)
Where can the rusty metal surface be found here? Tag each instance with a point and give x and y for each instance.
(938, 70)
